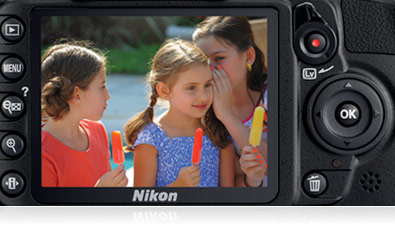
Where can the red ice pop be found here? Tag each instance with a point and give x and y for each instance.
(117, 152)
(197, 146)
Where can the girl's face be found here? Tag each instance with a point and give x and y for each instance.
(231, 60)
(93, 100)
(192, 93)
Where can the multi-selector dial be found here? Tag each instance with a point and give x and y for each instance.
(347, 112)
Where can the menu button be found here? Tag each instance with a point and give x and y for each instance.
(12, 68)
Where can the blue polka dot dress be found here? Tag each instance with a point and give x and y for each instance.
(176, 153)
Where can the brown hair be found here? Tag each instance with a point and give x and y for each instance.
(236, 31)
(173, 57)
(64, 66)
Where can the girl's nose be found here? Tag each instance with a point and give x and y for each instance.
(202, 95)
(108, 96)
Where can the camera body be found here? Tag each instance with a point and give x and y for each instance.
(331, 66)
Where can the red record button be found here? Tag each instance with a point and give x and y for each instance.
(316, 43)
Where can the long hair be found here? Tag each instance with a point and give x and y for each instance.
(174, 56)
(236, 31)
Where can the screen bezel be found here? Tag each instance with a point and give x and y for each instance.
(236, 195)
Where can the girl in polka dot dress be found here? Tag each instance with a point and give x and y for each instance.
(163, 146)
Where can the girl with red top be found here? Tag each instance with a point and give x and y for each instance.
(75, 150)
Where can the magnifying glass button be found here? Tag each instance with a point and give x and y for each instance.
(12, 145)
(12, 107)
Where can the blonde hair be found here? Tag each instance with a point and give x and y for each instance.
(174, 56)
(64, 66)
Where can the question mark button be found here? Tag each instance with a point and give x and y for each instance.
(12, 107)
(25, 90)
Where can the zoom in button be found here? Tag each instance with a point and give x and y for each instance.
(12, 107)
(12, 145)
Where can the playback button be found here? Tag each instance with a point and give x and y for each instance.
(12, 30)
(12, 107)
(12, 184)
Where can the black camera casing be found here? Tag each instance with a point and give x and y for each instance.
(355, 70)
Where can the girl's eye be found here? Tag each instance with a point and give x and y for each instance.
(218, 58)
(208, 85)
(191, 88)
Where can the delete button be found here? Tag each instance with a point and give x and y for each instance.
(12, 68)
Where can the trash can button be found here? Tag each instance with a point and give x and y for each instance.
(314, 184)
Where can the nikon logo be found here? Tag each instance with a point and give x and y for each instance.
(153, 196)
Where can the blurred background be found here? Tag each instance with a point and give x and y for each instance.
(130, 43)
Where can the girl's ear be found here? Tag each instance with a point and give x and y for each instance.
(76, 94)
(163, 90)
(250, 55)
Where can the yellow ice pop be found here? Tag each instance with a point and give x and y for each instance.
(256, 129)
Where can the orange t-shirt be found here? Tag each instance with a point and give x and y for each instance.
(63, 166)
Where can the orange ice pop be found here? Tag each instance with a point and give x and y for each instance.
(117, 152)
(197, 146)
(256, 129)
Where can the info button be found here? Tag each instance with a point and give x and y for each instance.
(12, 68)
(13, 184)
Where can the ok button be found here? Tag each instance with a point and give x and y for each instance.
(348, 114)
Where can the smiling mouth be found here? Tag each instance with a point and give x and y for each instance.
(201, 107)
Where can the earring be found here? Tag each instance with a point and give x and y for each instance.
(249, 67)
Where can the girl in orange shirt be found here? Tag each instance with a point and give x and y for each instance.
(75, 150)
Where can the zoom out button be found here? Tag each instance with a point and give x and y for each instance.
(12, 107)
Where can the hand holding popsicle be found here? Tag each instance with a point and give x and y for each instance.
(197, 147)
(251, 166)
(188, 176)
(256, 129)
(114, 178)
(117, 152)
